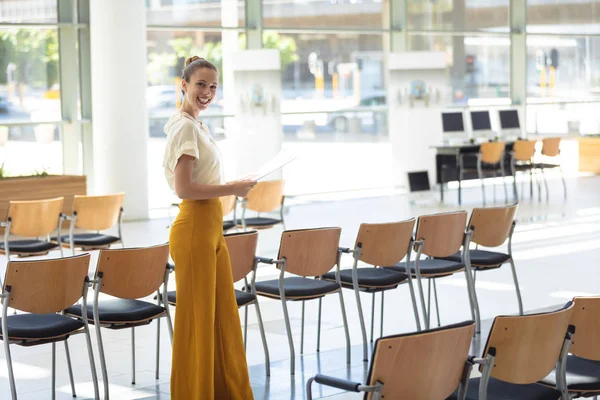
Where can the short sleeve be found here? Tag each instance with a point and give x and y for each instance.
(184, 141)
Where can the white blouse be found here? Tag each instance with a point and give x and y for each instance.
(186, 135)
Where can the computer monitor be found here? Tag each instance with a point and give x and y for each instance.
(482, 126)
(453, 127)
(509, 123)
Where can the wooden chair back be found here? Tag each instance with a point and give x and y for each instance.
(524, 150)
(551, 147)
(242, 251)
(34, 218)
(443, 234)
(492, 225)
(227, 204)
(385, 244)
(97, 213)
(46, 286)
(492, 152)
(133, 273)
(266, 196)
(528, 346)
(421, 366)
(586, 319)
(310, 252)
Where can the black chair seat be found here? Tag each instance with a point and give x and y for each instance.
(228, 225)
(483, 258)
(260, 221)
(369, 277)
(431, 267)
(582, 375)
(90, 239)
(242, 298)
(499, 390)
(29, 246)
(40, 326)
(297, 286)
(546, 166)
(120, 311)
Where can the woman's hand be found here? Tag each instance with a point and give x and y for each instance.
(240, 188)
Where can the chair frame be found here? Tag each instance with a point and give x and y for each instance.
(524, 165)
(97, 285)
(281, 264)
(376, 387)
(5, 297)
(6, 225)
(356, 253)
(541, 166)
(245, 208)
(481, 173)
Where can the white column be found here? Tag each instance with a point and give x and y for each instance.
(119, 115)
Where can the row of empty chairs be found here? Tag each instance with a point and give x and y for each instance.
(309, 264)
(490, 161)
(127, 275)
(40, 219)
(545, 356)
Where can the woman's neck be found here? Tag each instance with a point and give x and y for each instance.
(186, 108)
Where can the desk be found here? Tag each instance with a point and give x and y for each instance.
(447, 164)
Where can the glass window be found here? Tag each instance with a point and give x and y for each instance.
(458, 15)
(479, 65)
(29, 75)
(562, 119)
(563, 16)
(229, 13)
(30, 150)
(323, 13)
(23, 11)
(563, 68)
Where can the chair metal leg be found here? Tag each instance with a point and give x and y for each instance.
(53, 370)
(473, 299)
(345, 320)
(245, 327)
(504, 184)
(288, 329)
(11, 376)
(546, 185)
(319, 325)
(263, 337)
(517, 289)
(428, 303)
(88, 342)
(372, 316)
(70, 368)
(157, 347)
(381, 322)
(302, 330)
(101, 351)
(422, 296)
(133, 356)
(437, 304)
(480, 175)
(361, 318)
(562, 177)
(413, 298)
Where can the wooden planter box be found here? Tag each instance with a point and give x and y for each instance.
(41, 187)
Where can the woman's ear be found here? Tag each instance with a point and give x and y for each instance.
(184, 86)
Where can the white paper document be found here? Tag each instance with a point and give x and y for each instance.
(277, 162)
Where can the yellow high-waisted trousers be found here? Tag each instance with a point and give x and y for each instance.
(209, 361)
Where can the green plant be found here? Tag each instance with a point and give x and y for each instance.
(2, 171)
(43, 172)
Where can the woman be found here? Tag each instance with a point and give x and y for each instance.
(209, 361)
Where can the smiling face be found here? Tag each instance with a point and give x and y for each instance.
(200, 90)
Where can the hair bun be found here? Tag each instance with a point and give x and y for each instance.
(192, 59)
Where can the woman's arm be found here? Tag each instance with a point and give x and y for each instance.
(186, 189)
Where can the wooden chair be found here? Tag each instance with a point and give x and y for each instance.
(583, 362)
(551, 152)
(489, 161)
(522, 161)
(492, 227)
(305, 253)
(228, 205)
(95, 213)
(242, 252)
(377, 245)
(265, 197)
(57, 284)
(39, 219)
(128, 275)
(426, 365)
(439, 236)
(521, 351)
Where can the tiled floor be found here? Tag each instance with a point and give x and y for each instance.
(556, 248)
